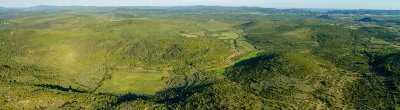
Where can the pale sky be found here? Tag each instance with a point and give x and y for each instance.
(338, 4)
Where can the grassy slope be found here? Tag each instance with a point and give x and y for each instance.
(139, 82)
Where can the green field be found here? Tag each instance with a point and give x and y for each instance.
(138, 81)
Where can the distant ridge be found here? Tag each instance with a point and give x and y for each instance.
(366, 11)
(368, 19)
(331, 10)
(53, 7)
(206, 7)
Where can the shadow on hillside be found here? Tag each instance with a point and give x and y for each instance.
(57, 87)
(130, 97)
(391, 76)
(179, 94)
(5, 67)
(256, 60)
(171, 95)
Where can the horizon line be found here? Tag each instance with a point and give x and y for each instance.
(196, 5)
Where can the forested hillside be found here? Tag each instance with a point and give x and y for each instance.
(198, 57)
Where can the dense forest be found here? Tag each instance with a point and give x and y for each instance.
(198, 57)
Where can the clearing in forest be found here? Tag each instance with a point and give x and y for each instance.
(137, 81)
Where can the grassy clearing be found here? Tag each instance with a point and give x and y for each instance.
(138, 81)
(249, 56)
(189, 35)
(246, 45)
(221, 70)
(229, 35)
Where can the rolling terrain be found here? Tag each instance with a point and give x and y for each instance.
(198, 57)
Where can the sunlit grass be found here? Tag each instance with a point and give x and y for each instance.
(221, 70)
(139, 82)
